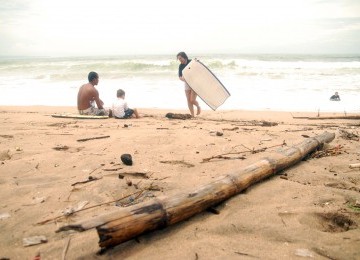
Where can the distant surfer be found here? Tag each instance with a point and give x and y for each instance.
(335, 97)
(190, 94)
(88, 96)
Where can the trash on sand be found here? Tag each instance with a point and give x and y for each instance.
(4, 215)
(5, 155)
(35, 240)
(354, 165)
(304, 252)
(70, 210)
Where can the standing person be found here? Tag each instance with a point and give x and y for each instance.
(88, 96)
(120, 107)
(190, 94)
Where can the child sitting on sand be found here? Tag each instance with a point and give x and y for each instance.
(120, 108)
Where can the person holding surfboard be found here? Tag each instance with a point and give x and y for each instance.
(88, 96)
(190, 94)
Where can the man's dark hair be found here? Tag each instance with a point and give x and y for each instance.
(182, 54)
(120, 93)
(92, 75)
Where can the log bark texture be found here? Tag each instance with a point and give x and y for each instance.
(127, 223)
(335, 117)
(354, 117)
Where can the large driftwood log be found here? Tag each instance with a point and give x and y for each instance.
(354, 117)
(127, 223)
(335, 117)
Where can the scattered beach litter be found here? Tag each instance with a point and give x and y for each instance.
(70, 210)
(35, 240)
(4, 215)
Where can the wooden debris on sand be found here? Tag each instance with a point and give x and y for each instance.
(333, 151)
(90, 178)
(92, 138)
(253, 151)
(354, 165)
(127, 223)
(178, 116)
(348, 136)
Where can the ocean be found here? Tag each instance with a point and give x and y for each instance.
(255, 82)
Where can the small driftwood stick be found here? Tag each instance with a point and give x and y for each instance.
(127, 223)
(253, 151)
(354, 165)
(67, 243)
(88, 180)
(93, 138)
(97, 205)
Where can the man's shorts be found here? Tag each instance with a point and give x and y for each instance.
(94, 111)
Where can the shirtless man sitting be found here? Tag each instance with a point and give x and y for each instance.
(88, 96)
(335, 97)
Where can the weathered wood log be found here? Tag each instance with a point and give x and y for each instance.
(327, 117)
(335, 117)
(354, 165)
(127, 223)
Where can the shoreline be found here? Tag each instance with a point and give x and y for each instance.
(308, 209)
(207, 111)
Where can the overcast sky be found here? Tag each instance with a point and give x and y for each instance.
(113, 27)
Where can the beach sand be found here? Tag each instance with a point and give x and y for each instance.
(309, 210)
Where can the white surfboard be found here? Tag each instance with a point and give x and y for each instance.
(206, 85)
(78, 116)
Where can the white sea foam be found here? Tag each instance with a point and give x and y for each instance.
(256, 82)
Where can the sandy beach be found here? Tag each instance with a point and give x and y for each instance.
(310, 210)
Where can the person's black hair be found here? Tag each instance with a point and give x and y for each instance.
(92, 75)
(120, 93)
(182, 54)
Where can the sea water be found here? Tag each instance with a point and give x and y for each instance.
(255, 82)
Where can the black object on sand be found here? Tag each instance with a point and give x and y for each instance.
(126, 159)
(178, 116)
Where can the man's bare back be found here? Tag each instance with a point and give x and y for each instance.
(87, 94)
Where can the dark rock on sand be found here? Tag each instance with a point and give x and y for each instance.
(126, 159)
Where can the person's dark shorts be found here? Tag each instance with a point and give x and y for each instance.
(128, 113)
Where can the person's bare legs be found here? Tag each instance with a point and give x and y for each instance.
(136, 113)
(194, 102)
(190, 104)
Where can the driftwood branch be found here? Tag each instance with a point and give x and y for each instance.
(253, 151)
(127, 223)
(94, 206)
(93, 138)
(86, 181)
(241, 122)
(354, 165)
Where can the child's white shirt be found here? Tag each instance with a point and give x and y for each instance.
(118, 107)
